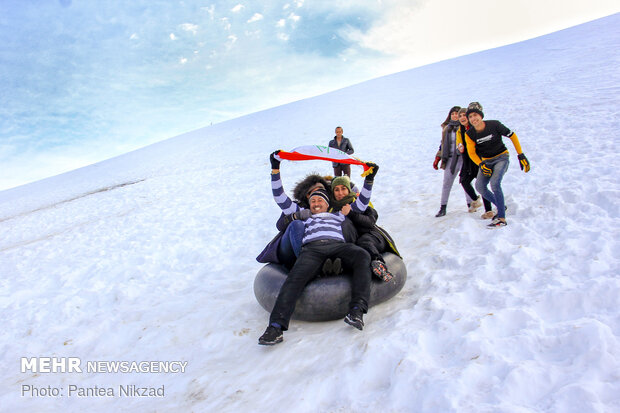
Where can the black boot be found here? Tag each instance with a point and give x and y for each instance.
(442, 211)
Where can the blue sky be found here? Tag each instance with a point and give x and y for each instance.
(85, 80)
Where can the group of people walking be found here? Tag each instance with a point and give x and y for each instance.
(473, 148)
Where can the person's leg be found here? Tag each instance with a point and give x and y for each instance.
(482, 181)
(290, 245)
(487, 205)
(470, 193)
(346, 169)
(358, 259)
(338, 170)
(375, 244)
(306, 267)
(448, 180)
(372, 245)
(500, 166)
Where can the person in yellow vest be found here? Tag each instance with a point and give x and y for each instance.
(486, 148)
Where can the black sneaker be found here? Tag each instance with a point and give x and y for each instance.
(355, 318)
(380, 270)
(327, 267)
(271, 336)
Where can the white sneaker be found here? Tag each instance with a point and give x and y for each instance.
(497, 223)
(477, 203)
(488, 215)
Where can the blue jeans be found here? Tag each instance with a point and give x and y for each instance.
(499, 165)
(290, 244)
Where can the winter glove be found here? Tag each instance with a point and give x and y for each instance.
(302, 214)
(436, 163)
(275, 162)
(372, 171)
(524, 163)
(486, 171)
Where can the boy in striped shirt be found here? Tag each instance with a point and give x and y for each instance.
(322, 239)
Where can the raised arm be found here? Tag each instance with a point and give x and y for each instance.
(284, 202)
(362, 201)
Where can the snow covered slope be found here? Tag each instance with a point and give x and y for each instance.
(150, 256)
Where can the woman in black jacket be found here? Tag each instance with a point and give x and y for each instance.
(371, 237)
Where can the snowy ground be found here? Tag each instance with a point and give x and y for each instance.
(150, 256)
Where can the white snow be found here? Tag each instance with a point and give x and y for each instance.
(151, 256)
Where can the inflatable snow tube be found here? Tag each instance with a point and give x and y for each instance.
(326, 298)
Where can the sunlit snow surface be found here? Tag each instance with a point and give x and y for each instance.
(151, 256)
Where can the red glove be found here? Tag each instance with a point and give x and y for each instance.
(437, 159)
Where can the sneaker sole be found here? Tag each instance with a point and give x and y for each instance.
(490, 226)
(270, 343)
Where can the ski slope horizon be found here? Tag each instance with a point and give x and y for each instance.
(151, 255)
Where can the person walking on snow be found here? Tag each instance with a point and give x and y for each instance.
(344, 144)
(451, 159)
(486, 148)
(469, 171)
(322, 239)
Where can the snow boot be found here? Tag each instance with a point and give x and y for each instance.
(442, 211)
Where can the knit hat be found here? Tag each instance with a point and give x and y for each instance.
(462, 110)
(341, 180)
(475, 107)
(321, 193)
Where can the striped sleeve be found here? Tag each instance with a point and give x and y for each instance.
(284, 202)
(362, 201)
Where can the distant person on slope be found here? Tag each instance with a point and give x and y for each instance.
(469, 171)
(344, 144)
(451, 160)
(322, 239)
(486, 148)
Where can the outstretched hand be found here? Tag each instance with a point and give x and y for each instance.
(524, 163)
(274, 159)
(372, 171)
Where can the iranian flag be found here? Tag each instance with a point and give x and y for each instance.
(325, 153)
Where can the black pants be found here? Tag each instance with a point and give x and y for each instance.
(342, 169)
(469, 189)
(374, 243)
(308, 265)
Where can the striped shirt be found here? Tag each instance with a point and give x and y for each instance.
(325, 225)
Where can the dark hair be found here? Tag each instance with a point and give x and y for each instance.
(338, 127)
(302, 187)
(453, 109)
